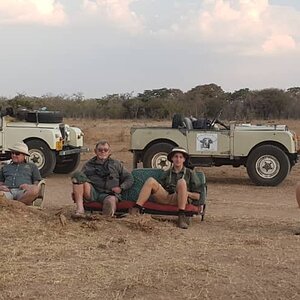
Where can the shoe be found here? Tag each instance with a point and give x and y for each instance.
(188, 220)
(78, 216)
(182, 223)
(134, 211)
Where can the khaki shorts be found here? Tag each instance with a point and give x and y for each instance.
(14, 194)
(163, 197)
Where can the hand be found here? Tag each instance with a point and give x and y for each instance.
(4, 188)
(24, 186)
(117, 190)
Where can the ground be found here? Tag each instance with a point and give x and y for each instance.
(245, 248)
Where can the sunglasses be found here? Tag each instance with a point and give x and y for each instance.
(102, 149)
(15, 153)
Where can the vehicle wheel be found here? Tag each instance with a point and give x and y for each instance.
(42, 156)
(268, 165)
(67, 164)
(156, 156)
(177, 121)
(44, 117)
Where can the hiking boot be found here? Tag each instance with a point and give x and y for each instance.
(188, 220)
(182, 223)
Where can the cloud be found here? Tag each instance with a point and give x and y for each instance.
(47, 12)
(279, 43)
(116, 11)
(251, 26)
(246, 27)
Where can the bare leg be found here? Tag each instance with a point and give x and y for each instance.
(109, 206)
(151, 186)
(298, 194)
(81, 191)
(182, 195)
(30, 195)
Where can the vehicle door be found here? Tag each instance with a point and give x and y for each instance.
(209, 142)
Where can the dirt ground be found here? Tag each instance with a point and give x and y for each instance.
(245, 248)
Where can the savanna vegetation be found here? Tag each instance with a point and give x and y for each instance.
(201, 101)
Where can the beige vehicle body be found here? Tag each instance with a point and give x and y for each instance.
(268, 151)
(53, 147)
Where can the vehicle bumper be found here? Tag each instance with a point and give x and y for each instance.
(73, 151)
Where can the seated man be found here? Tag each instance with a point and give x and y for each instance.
(19, 179)
(101, 179)
(178, 186)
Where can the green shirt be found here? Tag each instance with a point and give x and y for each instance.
(13, 175)
(169, 180)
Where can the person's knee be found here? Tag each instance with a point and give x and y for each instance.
(181, 184)
(79, 178)
(151, 182)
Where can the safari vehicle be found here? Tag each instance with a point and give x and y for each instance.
(53, 145)
(267, 151)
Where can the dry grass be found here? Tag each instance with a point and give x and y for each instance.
(245, 249)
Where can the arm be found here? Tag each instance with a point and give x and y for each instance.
(195, 187)
(3, 187)
(126, 179)
(194, 195)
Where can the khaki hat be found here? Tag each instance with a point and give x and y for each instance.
(20, 147)
(180, 150)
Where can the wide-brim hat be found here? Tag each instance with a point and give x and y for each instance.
(20, 147)
(176, 150)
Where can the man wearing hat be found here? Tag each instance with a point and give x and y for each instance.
(19, 179)
(178, 186)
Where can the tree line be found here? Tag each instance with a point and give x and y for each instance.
(201, 101)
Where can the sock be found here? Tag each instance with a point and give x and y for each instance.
(138, 206)
(141, 208)
(181, 212)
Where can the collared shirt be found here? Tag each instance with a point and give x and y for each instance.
(169, 180)
(13, 175)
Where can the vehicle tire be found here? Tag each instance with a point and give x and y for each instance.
(67, 164)
(44, 117)
(42, 156)
(268, 165)
(156, 156)
(177, 121)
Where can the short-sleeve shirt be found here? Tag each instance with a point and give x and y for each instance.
(13, 175)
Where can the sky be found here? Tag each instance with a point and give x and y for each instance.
(102, 47)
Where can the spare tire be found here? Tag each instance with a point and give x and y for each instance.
(44, 116)
(177, 121)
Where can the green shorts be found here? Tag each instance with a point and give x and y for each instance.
(99, 196)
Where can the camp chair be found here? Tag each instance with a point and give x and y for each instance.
(40, 198)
